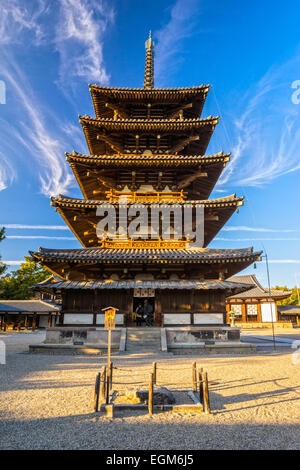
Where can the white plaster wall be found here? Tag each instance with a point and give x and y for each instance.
(177, 319)
(78, 319)
(208, 318)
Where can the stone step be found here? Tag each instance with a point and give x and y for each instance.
(143, 339)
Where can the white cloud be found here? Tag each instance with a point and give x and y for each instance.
(245, 228)
(33, 133)
(170, 37)
(13, 263)
(256, 239)
(35, 227)
(18, 17)
(7, 172)
(285, 261)
(266, 135)
(37, 237)
(79, 39)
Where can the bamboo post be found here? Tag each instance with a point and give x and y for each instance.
(150, 396)
(154, 365)
(102, 386)
(206, 394)
(97, 390)
(194, 376)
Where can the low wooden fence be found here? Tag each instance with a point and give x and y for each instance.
(105, 380)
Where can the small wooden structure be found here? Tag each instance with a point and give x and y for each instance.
(257, 304)
(27, 314)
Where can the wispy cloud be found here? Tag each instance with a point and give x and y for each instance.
(256, 239)
(37, 237)
(17, 17)
(7, 172)
(245, 228)
(34, 134)
(79, 38)
(266, 135)
(285, 261)
(170, 37)
(13, 262)
(35, 227)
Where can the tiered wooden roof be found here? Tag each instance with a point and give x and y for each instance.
(230, 287)
(171, 136)
(61, 261)
(164, 102)
(80, 215)
(196, 174)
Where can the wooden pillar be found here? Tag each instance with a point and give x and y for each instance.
(228, 308)
(49, 320)
(258, 313)
(34, 322)
(244, 314)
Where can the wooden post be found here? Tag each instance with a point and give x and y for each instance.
(150, 396)
(194, 376)
(110, 374)
(96, 394)
(102, 385)
(107, 389)
(108, 348)
(154, 366)
(206, 394)
(200, 378)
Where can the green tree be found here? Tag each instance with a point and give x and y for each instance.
(18, 284)
(293, 299)
(2, 265)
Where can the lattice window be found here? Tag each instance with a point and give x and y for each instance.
(252, 309)
(237, 308)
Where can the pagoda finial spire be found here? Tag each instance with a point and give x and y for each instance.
(149, 63)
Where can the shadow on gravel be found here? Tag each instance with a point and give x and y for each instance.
(88, 432)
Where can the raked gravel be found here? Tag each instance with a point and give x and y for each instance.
(46, 402)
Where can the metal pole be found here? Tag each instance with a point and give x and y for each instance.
(273, 332)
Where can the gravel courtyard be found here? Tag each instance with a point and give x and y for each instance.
(46, 402)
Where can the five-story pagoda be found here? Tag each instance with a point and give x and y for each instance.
(146, 146)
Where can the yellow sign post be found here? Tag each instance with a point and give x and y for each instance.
(110, 324)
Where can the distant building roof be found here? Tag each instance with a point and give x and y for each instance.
(25, 306)
(258, 291)
(289, 309)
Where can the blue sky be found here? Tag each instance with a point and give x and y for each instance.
(248, 51)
